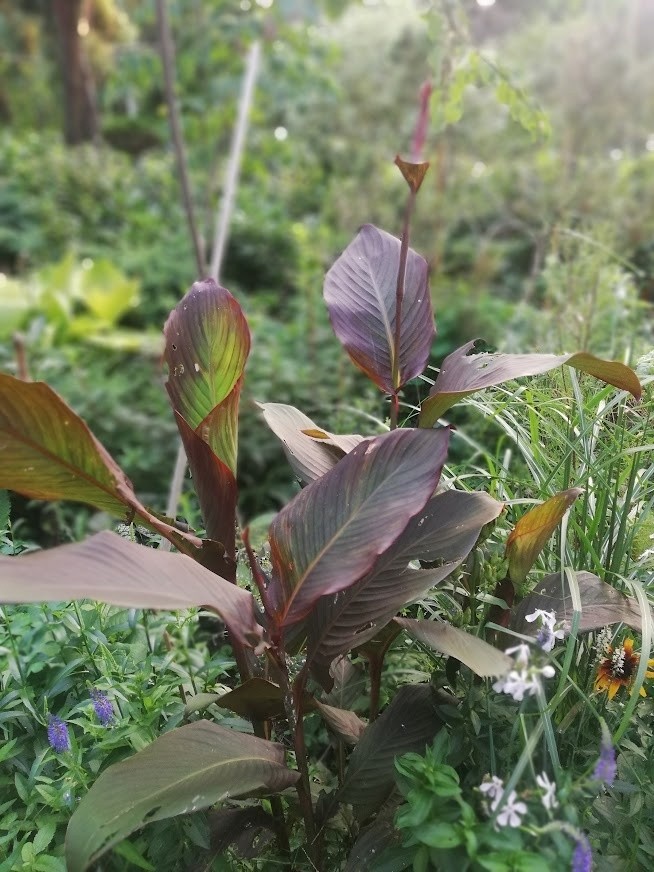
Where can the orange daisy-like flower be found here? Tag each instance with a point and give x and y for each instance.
(618, 668)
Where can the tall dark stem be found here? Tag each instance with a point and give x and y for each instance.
(399, 297)
(293, 704)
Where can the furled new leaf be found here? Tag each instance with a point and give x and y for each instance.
(444, 532)
(408, 724)
(215, 486)
(360, 293)
(463, 373)
(114, 570)
(187, 769)
(311, 451)
(601, 605)
(207, 344)
(47, 452)
(528, 537)
(482, 658)
(330, 535)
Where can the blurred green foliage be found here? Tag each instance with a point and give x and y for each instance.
(534, 217)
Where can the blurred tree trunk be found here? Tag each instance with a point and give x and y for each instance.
(80, 115)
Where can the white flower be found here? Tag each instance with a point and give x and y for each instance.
(511, 811)
(516, 684)
(493, 789)
(547, 619)
(549, 799)
(523, 681)
(522, 655)
(547, 635)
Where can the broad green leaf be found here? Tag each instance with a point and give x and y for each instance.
(15, 304)
(187, 769)
(107, 292)
(444, 532)
(47, 452)
(528, 537)
(360, 293)
(408, 724)
(207, 344)
(344, 723)
(311, 451)
(330, 535)
(601, 605)
(463, 373)
(114, 570)
(482, 658)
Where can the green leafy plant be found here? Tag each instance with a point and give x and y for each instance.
(369, 534)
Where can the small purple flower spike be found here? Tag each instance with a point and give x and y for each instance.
(606, 767)
(102, 705)
(58, 735)
(582, 856)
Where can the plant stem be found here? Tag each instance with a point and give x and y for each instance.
(293, 707)
(399, 297)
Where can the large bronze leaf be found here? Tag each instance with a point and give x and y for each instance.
(311, 451)
(444, 532)
(182, 771)
(330, 535)
(601, 605)
(408, 724)
(463, 373)
(360, 292)
(114, 570)
(482, 658)
(48, 452)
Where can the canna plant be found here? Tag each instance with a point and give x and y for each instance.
(370, 532)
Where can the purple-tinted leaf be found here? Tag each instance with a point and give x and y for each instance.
(408, 724)
(187, 769)
(528, 537)
(601, 605)
(257, 698)
(215, 487)
(309, 454)
(348, 683)
(374, 842)
(330, 535)
(448, 527)
(47, 452)
(463, 373)
(339, 624)
(444, 531)
(482, 658)
(207, 344)
(344, 723)
(360, 291)
(114, 570)
(247, 829)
